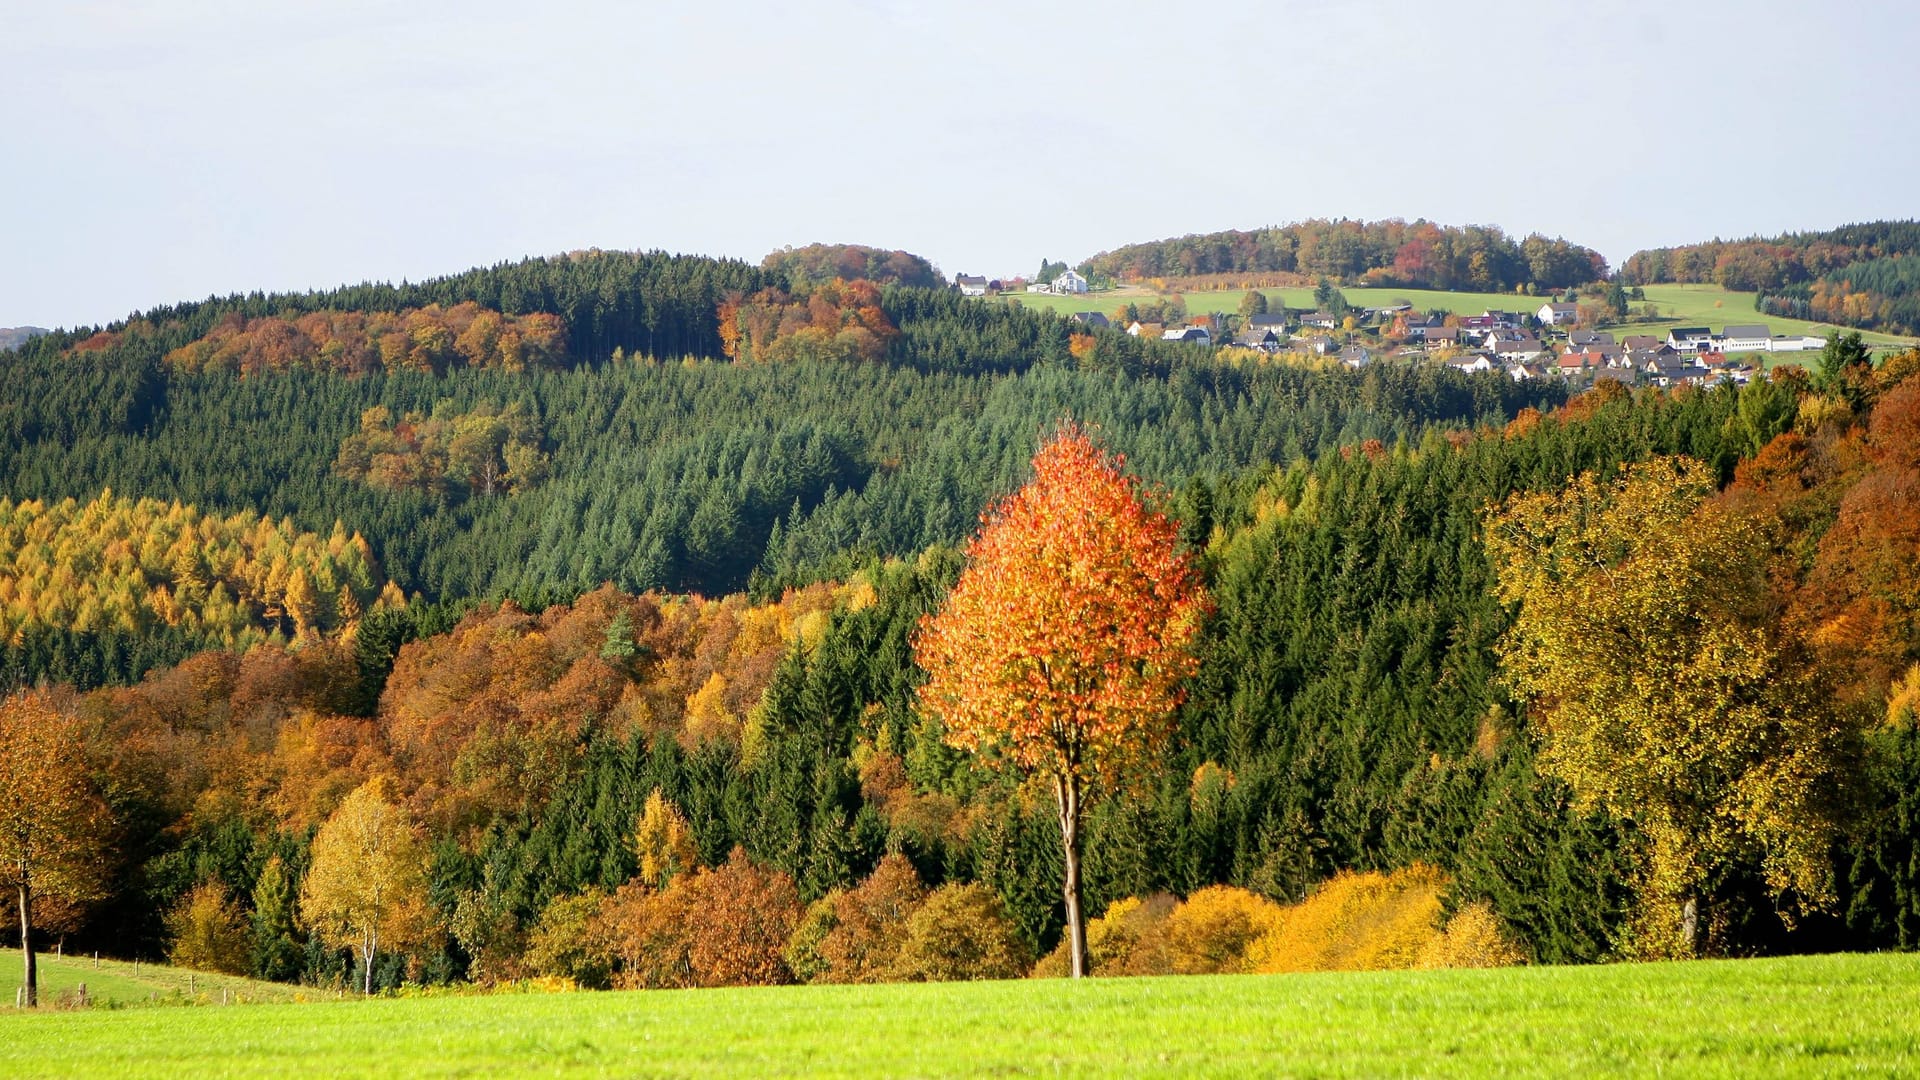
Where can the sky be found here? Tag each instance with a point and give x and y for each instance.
(153, 151)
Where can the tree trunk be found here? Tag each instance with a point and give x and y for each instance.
(366, 959)
(1690, 926)
(31, 986)
(1066, 792)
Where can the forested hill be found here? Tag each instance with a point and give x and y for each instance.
(12, 337)
(1419, 254)
(537, 429)
(1865, 275)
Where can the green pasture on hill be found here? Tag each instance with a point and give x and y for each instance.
(1811, 1016)
(1678, 305)
(119, 982)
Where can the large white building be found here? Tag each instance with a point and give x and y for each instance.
(1069, 282)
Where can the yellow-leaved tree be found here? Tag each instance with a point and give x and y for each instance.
(366, 888)
(1664, 689)
(53, 825)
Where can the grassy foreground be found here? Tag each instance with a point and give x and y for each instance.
(1803, 1016)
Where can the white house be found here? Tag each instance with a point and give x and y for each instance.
(971, 285)
(1195, 334)
(1069, 282)
(1558, 314)
(1753, 337)
(1689, 339)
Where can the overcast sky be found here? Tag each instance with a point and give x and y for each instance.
(170, 149)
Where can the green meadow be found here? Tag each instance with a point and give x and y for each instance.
(1678, 305)
(1808, 1016)
(113, 983)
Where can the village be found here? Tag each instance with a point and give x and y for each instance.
(1554, 341)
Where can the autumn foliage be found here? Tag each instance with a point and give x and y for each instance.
(838, 320)
(1063, 648)
(430, 338)
(116, 563)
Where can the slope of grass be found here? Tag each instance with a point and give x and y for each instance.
(1678, 305)
(1802, 1016)
(118, 982)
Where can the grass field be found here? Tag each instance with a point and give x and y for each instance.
(1789, 1017)
(1679, 305)
(117, 982)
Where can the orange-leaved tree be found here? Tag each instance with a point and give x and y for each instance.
(1064, 646)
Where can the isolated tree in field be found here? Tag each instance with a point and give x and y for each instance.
(1063, 646)
(52, 824)
(367, 886)
(1663, 689)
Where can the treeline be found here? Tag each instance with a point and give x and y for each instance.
(1764, 264)
(1879, 294)
(664, 476)
(1349, 717)
(801, 269)
(652, 302)
(1372, 253)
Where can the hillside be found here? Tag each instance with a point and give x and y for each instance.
(1861, 275)
(1419, 255)
(12, 337)
(678, 596)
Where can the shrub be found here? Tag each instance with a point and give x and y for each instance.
(1355, 922)
(208, 932)
(803, 948)
(646, 931)
(724, 927)
(564, 944)
(1210, 933)
(1129, 938)
(1474, 938)
(738, 920)
(962, 932)
(870, 924)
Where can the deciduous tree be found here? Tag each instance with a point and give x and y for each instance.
(52, 823)
(1063, 647)
(1662, 691)
(367, 885)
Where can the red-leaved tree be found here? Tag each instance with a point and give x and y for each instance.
(1063, 648)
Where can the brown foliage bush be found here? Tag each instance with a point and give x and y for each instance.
(723, 927)
(869, 925)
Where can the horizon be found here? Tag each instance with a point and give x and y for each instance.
(179, 151)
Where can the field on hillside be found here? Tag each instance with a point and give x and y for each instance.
(1783, 1017)
(1679, 305)
(118, 982)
